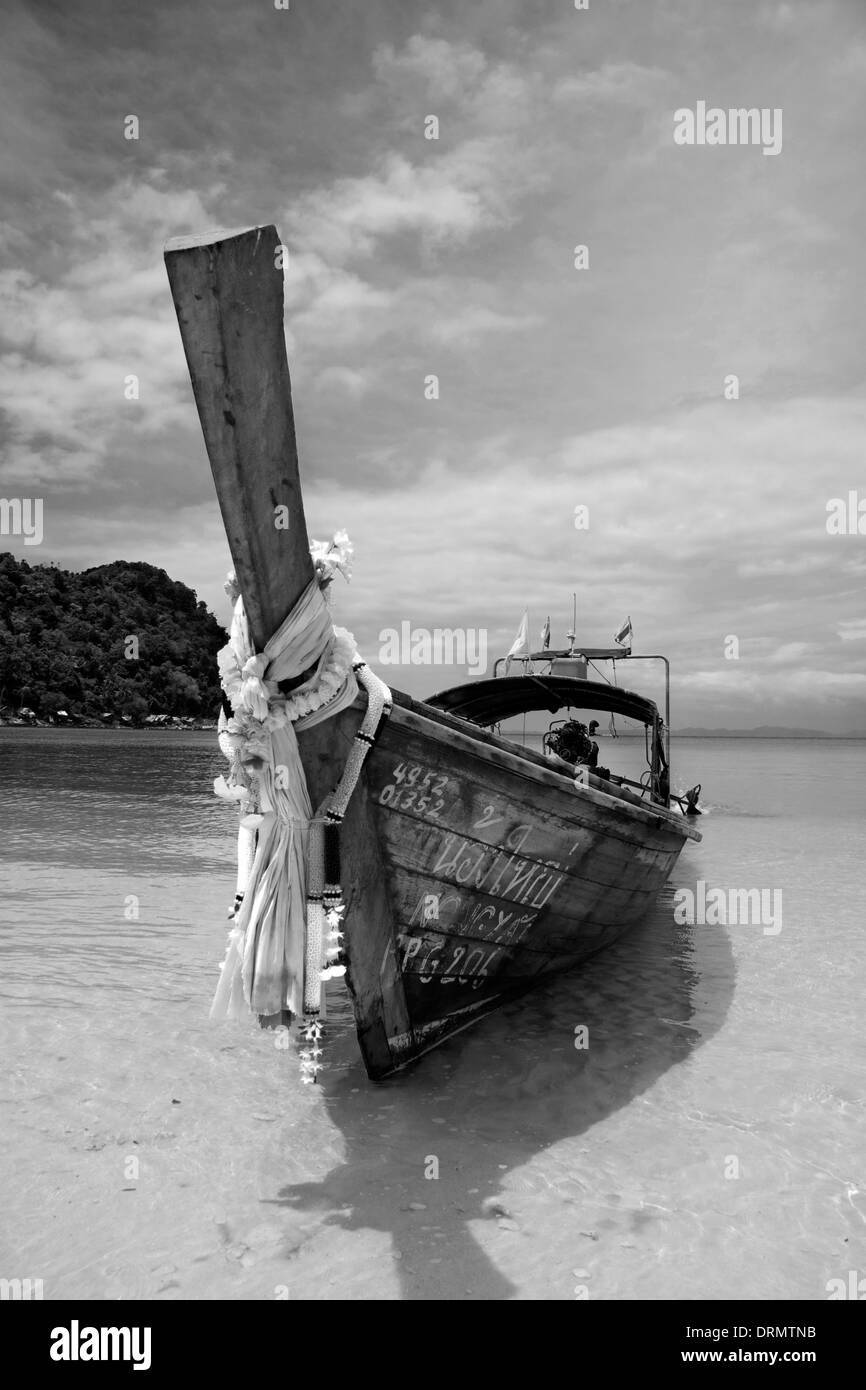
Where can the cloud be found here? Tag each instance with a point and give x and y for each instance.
(72, 333)
(600, 388)
(625, 82)
(448, 200)
(470, 324)
(355, 383)
(790, 653)
(451, 70)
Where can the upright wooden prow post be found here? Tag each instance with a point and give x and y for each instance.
(228, 294)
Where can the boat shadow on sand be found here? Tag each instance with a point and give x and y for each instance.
(490, 1100)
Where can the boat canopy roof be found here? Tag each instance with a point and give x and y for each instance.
(489, 701)
(569, 653)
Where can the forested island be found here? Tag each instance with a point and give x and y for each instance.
(120, 643)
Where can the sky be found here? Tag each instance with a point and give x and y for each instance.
(605, 387)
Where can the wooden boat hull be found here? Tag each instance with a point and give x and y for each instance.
(471, 872)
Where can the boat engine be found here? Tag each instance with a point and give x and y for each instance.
(569, 740)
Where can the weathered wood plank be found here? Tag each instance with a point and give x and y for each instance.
(487, 817)
(373, 973)
(470, 773)
(522, 866)
(570, 902)
(467, 736)
(228, 294)
(373, 970)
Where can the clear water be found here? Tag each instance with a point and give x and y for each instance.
(709, 1143)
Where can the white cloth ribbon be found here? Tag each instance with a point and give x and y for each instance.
(264, 970)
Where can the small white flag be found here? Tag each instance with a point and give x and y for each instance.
(545, 636)
(520, 645)
(624, 634)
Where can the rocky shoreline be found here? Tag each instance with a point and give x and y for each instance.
(27, 718)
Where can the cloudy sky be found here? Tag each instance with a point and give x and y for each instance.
(601, 387)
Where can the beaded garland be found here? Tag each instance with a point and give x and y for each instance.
(324, 895)
(261, 719)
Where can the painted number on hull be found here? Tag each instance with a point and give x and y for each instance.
(471, 964)
(414, 789)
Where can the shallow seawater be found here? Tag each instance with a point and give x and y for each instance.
(710, 1142)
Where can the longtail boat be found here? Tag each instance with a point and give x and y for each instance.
(472, 868)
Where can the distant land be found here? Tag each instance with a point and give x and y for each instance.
(117, 643)
(762, 731)
(765, 731)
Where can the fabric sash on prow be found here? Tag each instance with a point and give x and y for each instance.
(285, 941)
(268, 967)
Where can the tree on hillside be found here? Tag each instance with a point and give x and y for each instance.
(65, 641)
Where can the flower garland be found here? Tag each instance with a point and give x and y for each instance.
(284, 942)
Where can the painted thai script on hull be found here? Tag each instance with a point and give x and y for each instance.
(489, 869)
